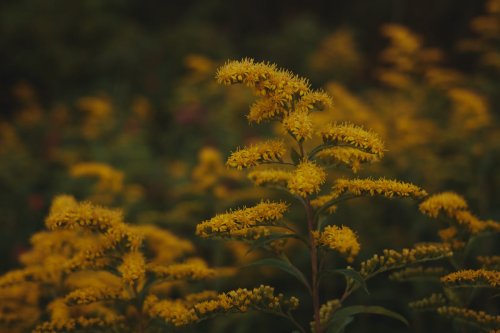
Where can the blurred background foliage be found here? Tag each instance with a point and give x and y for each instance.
(128, 86)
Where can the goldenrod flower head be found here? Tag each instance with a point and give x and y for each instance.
(341, 239)
(480, 318)
(93, 294)
(392, 259)
(472, 277)
(349, 156)
(264, 78)
(470, 110)
(264, 152)
(314, 100)
(384, 187)
(326, 312)
(490, 262)
(76, 324)
(402, 38)
(306, 179)
(299, 125)
(265, 109)
(429, 303)
(270, 177)
(194, 269)
(243, 300)
(133, 268)
(174, 312)
(84, 215)
(237, 222)
(162, 244)
(110, 179)
(356, 136)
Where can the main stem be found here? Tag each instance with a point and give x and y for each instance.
(314, 266)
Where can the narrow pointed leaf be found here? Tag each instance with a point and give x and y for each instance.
(351, 273)
(284, 266)
(338, 322)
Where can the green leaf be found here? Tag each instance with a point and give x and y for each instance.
(351, 273)
(295, 156)
(340, 319)
(268, 239)
(285, 266)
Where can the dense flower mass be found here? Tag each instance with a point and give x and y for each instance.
(349, 134)
(306, 179)
(341, 239)
(472, 277)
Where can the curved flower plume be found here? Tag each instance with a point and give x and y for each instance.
(243, 223)
(355, 136)
(264, 152)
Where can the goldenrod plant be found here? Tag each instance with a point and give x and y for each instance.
(465, 284)
(90, 271)
(299, 164)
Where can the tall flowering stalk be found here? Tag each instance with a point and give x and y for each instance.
(300, 167)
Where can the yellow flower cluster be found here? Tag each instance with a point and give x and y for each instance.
(384, 187)
(183, 312)
(299, 125)
(92, 295)
(356, 136)
(195, 269)
(392, 259)
(326, 312)
(472, 277)
(446, 202)
(72, 325)
(265, 152)
(477, 317)
(490, 262)
(243, 300)
(281, 91)
(270, 177)
(133, 268)
(306, 179)
(418, 272)
(237, 223)
(455, 207)
(432, 302)
(341, 239)
(349, 156)
(110, 179)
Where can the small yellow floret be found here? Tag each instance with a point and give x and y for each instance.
(341, 239)
(306, 179)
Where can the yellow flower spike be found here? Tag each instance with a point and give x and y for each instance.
(264, 152)
(110, 179)
(133, 268)
(392, 259)
(349, 156)
(384, 187)
(356, 136)
(306, 179)
(299, 125)
(472, 277)
(84, 215)
(429, 303)
(341, 239)
(240, 221)
(194, 269)
(476, 317)
(265, 109)
(270, 177)
(93, 294)
(446, 202)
